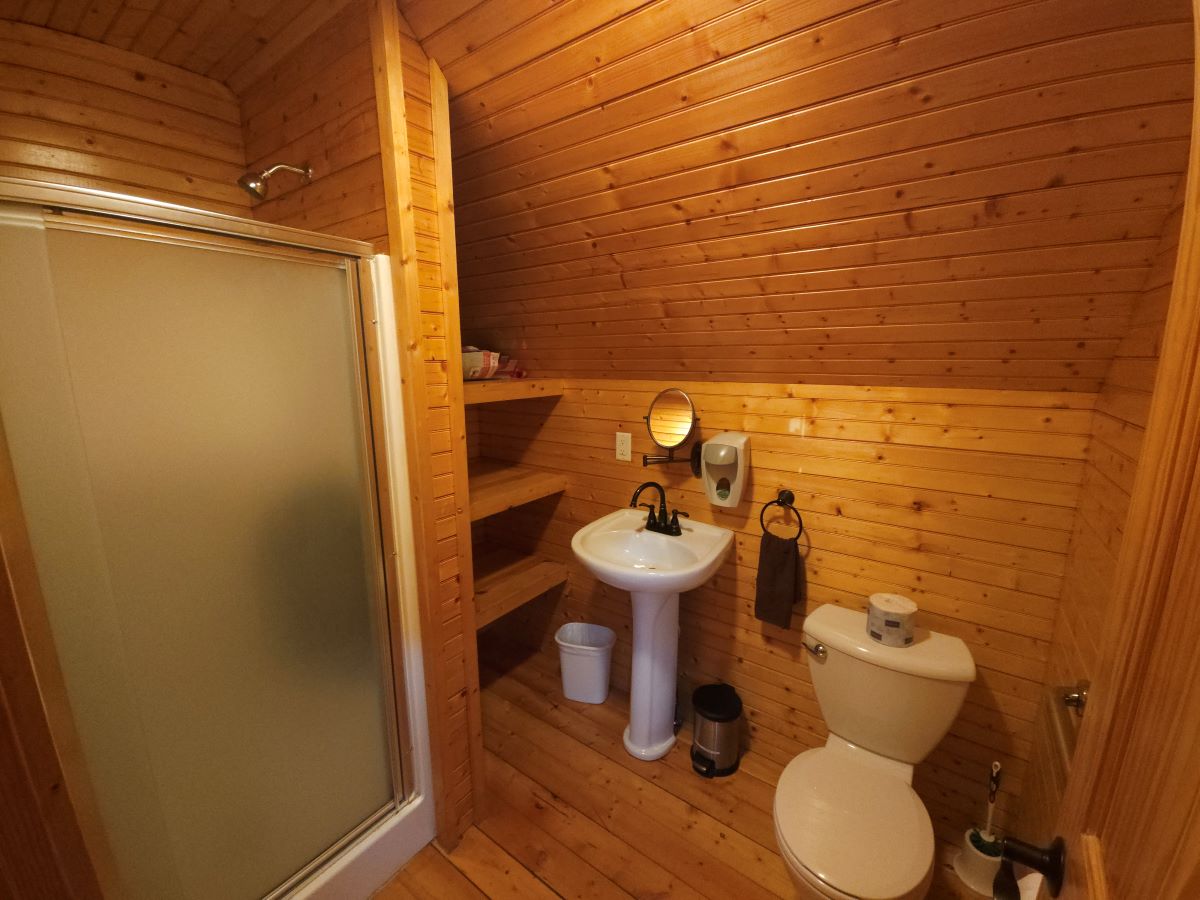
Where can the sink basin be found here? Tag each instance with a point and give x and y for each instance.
(619, 551)
(654, 568)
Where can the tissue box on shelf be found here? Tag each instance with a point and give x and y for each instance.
(479, 364)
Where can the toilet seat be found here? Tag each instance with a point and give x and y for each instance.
(851, 828)
(814, 885)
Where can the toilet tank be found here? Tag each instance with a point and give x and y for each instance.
(894, 701)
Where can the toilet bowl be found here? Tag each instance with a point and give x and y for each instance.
(848, 823)
(851, 826)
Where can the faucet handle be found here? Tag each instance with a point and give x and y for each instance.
(651, 522)
(675, 527)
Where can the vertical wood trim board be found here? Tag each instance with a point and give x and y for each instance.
(961, 499)
(403, 89)
(397, 185)
(73, 111)
(447, 448)
(447, 259)
(965, 194)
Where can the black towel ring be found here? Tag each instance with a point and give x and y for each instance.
(785, 500)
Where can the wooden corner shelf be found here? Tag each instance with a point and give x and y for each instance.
(495, 486)
(510, 389)
(506, 579)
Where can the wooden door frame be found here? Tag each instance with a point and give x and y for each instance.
(45, 852)
(1161, 541)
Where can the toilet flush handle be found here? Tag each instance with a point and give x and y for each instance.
(817, 650)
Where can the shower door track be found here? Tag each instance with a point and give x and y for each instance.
(89, 201)
(333, 851)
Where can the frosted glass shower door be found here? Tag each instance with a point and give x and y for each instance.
(188, 429)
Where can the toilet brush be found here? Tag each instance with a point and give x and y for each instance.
(978, 860)
(993, 786)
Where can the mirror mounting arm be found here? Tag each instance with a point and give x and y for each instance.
(655, 460)
(693, 458)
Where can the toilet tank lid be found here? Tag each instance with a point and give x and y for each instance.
(931, 655)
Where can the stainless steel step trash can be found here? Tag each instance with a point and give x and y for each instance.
(716, 730)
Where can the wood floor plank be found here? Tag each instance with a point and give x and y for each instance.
(709, 877)
(533, 679)
(708, 852)
(396, 889)
(430, 874)
(754, 782)
(552, 861)
(629, 867)
(572, 815)
(727, 799)
(493, 871)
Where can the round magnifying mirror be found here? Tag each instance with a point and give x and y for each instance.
(671, 418)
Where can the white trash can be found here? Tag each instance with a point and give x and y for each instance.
(585, 652)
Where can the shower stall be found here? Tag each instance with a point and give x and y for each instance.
(200, 416)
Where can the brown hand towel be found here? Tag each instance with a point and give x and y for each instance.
(781, 580)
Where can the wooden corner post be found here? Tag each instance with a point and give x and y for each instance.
(388, 68)
(440, 96)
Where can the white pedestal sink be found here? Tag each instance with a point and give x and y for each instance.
(654, 568)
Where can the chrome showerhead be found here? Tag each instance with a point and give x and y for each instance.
(255, 183)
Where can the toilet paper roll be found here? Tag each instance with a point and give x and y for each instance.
(890, 619)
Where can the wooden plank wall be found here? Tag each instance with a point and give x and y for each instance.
(961, 499)
(1117, 428)
(318, 104)
(1119, 424)
(74, 111)
(920, 192)
(1130, 814)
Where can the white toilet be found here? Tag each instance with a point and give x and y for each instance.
(848, 823)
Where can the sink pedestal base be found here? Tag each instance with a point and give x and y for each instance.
(651, 730)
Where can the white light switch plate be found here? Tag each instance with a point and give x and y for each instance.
(624, 446)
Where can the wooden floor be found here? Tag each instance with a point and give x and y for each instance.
(572, 814)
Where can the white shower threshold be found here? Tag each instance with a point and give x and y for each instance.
(368, 863)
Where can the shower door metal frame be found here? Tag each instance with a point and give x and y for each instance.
(110, 213)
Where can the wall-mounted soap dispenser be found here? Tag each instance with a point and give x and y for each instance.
(725, 467)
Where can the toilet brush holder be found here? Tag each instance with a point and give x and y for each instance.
(977, 862)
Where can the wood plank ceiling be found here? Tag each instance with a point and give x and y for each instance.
(927, 192)
(220, 39)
